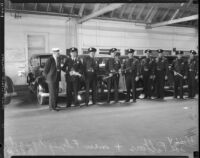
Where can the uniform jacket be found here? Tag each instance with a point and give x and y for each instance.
(113, 65)
(192, 66)
(161, 64)
(51, 71)
(179, 65)
(148, 64)
(71, 65)
(91, 65)
(133, 64)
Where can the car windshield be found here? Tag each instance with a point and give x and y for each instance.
(39, 61)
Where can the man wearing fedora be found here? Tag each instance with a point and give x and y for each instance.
(52, 73)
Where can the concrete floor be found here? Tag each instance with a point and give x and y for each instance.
(155, 127)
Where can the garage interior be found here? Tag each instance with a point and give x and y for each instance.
(168, 127)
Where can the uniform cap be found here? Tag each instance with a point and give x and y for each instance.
(91, 49)
(160, 51)
(193, 52)
(148, 50)
(112, 50)
(117, 54)
(130, 50)
(73, 49)
(55, 50)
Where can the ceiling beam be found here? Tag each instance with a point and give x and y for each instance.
(131, 12)
(189, 18)
(176, 12)
(175, 6)
(23, 6)
(148, 13)
(96, 7)
(149, 20)
(101, 11)
(140, 13)
(165, 14)
(72, 8)
(61, 8)
(122, 11)
(81, 10)
(48, 6)
(35, 8)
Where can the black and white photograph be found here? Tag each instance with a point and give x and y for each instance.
(116, 79)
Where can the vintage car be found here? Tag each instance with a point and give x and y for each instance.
(36, 81)
(9, 91)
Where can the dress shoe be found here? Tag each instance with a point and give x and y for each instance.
(127, 100)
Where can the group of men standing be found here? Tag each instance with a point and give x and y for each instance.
(153, 71)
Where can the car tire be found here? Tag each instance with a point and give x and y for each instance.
(40, 99)
(8, 89)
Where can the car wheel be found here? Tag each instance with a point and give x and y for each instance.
(8, 90)
(40, 99)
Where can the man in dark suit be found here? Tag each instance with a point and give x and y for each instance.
(73, 67)
(131, 72)
(91, 68)
(52, 74)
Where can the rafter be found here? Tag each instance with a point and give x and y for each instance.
(48, 6)
(140, 13)
(122, 11)
(72, 8)
(165, 14)
(189, 18)
(81, 10)
(61, 8)
(149, 12)
(101, 11)
(96, 7)
(177, 11)
(149, 20)
(131, 12)
(35, 8)
(23, 6)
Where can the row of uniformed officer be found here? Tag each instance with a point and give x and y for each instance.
(150, 69)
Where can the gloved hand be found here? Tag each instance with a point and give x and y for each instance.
(136, 78)
(166, 77)
(184, 77)
(175, 73)
(110, 74)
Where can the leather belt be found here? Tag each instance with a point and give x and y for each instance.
(146, 69)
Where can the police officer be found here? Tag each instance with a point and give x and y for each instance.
(148, 73)
(113, 66)
(192, 74)
(131, 72)
(91, 69)
(179, 70)
(161, 71)
(74, 69)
